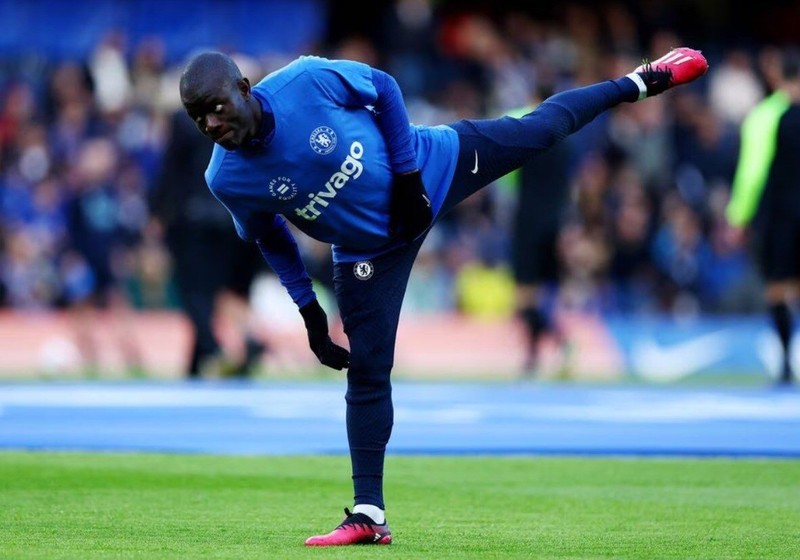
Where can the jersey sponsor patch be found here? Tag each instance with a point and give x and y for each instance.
(363, 270)
(323, 140)
(350, 168)
(283, 188)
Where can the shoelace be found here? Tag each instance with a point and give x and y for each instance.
(355, 520)
(650, 73)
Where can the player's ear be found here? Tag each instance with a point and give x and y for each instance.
(244, 87)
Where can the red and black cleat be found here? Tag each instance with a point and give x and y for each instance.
(357, 528)
(679, 66)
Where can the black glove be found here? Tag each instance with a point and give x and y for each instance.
(329, 353)
(410, 211)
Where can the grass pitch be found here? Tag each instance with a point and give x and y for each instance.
(85, 506)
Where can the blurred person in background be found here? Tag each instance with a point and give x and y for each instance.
(542, 201)
(631, 268)
(734, 88)
(766, 194)
(328, 145)
(582, 245)
(484, 284)
(95, 264)
(677, 248)
(213, 269)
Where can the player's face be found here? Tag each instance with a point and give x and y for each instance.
(222, 114)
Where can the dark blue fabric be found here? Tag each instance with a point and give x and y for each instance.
(505, 144)
(370, 310)
(393, 121)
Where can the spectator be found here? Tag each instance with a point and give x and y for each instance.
(98, 245)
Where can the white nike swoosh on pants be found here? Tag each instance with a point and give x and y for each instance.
(475, 169)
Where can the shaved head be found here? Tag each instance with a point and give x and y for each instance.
(218, 100)
(206, 69)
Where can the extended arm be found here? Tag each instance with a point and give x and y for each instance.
(281, 252)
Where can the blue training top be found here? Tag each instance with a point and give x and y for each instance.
(326, 168)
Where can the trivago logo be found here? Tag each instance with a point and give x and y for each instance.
(351, 168)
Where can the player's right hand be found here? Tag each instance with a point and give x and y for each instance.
(410, 212)
(328, 352)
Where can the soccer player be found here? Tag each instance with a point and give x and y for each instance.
(327, 145)
(766, 192)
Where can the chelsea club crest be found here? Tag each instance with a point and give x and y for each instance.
(363, 270)
(323, 140)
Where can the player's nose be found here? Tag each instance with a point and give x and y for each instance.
(213, 124)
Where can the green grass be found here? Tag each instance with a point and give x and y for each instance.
(85, 506)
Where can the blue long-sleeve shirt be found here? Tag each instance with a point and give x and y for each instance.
(341, 131)
(327, 168)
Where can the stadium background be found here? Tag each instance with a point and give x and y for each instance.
(654, 283)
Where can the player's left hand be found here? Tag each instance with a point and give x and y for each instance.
(410, 212)
(327, 352)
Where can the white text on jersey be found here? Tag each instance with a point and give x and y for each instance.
(351, 168)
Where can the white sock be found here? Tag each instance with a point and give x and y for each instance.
(373, 512)
(637, 79)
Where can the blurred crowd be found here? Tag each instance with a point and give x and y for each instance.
(82, 144)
